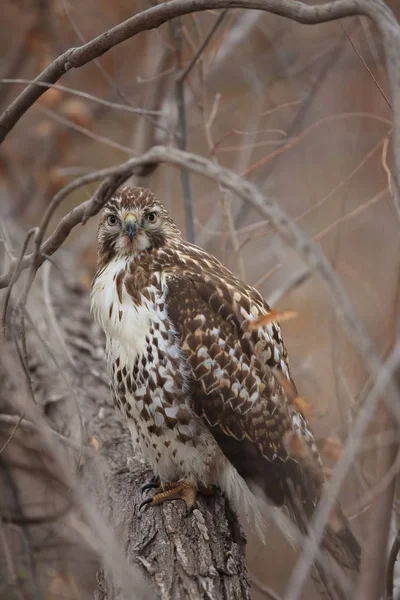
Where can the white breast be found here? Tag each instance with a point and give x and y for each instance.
(125, 323)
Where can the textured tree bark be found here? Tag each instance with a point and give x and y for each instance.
(201, 556)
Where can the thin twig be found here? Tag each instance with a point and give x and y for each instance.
(378, 197)
(22, 352)
(17, 56)
(13, 432)
(373, 564)
(265, 590)
(70, 387)
(21, 421)
(51, 313)
(155, 96)
(384, 96)
(295, 140)
(386, 166)
(86, 96)
(271, 111)
(311, 546)
(15, 266)
(98, 64)
(296, 281)
(365, 502)
(5, 241)
(185, 72)
(86, 132)
(13, 581)
(182, 140)
(394, 551)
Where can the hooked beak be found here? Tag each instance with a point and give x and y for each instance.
(130, 226)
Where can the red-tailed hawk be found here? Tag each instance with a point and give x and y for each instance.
(201, 382)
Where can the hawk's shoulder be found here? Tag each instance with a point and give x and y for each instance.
(199, 284)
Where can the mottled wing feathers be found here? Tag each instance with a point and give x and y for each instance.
(232, 383)
(227, 376)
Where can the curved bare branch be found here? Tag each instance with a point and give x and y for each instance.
(157, 15)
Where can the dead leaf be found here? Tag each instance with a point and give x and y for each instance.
(95, 443)
(55, 181)
(285, 384)
(303, 406)
(63, 587)
(295, 445)
(273, 315)
(78, 112)
(44, 129)
(331, 447)
(50, 98)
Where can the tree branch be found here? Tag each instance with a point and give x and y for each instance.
(374, 559)
(185, 72)
(176, 28)
(154, 17)
(379, 389)
(394, 551)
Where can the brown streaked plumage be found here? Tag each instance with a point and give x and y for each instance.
(202, 390)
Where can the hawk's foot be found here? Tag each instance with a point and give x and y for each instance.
(178, 490)
(153, 483)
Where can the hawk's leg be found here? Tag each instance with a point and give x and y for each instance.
(179, 490)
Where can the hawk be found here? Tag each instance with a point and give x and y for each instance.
(203, 380)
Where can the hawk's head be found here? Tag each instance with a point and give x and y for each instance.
(133, 221)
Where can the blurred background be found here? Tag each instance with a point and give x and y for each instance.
(293, 108)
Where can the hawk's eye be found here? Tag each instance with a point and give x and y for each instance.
(151, 217)
(112, 220)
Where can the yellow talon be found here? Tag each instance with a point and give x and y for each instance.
(178, 490)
